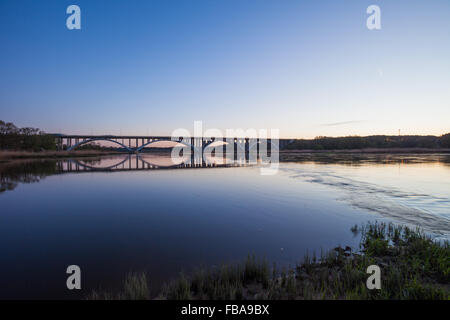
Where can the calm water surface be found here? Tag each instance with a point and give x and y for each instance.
(134, 216)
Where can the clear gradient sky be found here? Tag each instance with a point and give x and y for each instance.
(308, 68)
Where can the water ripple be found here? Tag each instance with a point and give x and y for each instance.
(414, 208)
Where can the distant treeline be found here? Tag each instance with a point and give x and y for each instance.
(356, 142)
(14, 138)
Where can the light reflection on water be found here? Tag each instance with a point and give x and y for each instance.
(116, 214)
(414, 194)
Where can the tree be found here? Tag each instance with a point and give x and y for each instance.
(445, 140)
(11, 128)
(26, 138)
(28, 131)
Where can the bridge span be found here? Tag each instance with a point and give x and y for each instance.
(135, 144)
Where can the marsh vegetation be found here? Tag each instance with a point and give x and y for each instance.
(413, 266)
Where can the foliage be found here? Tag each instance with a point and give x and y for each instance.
(356, 142)
(14, 138)
(445, 140)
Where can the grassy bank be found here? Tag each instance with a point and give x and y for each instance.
(413, 266)
(368, 150)
(11, 155)
(285, 155)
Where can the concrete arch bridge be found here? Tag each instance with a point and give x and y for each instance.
(136, 144)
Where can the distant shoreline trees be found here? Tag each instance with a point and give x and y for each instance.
(379, 141)
(14, 138)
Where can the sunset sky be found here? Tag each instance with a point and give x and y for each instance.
(308, 68)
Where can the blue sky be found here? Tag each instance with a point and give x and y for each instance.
(308, 68)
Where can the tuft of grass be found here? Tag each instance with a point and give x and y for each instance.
(180, 289)
(134, 287)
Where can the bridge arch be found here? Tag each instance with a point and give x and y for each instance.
(240, 145)
(163, 140)
(155, 165)
(220, 142)
(99, 139)
(87, 166)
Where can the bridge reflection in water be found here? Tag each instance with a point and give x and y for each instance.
(142, 161)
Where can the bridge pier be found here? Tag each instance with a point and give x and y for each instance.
(224, 147)
(192, 151)
(257, 147)
(60, 144)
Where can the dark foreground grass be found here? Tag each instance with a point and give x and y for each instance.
(413, 266)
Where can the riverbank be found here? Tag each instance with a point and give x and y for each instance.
(413, 266)
(370, 150)
(11, 155)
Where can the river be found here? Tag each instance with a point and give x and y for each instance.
(117, 214)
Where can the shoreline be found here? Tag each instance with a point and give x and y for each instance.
(371, 150)
(14, 155)
(413, 267)
(6, 155)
